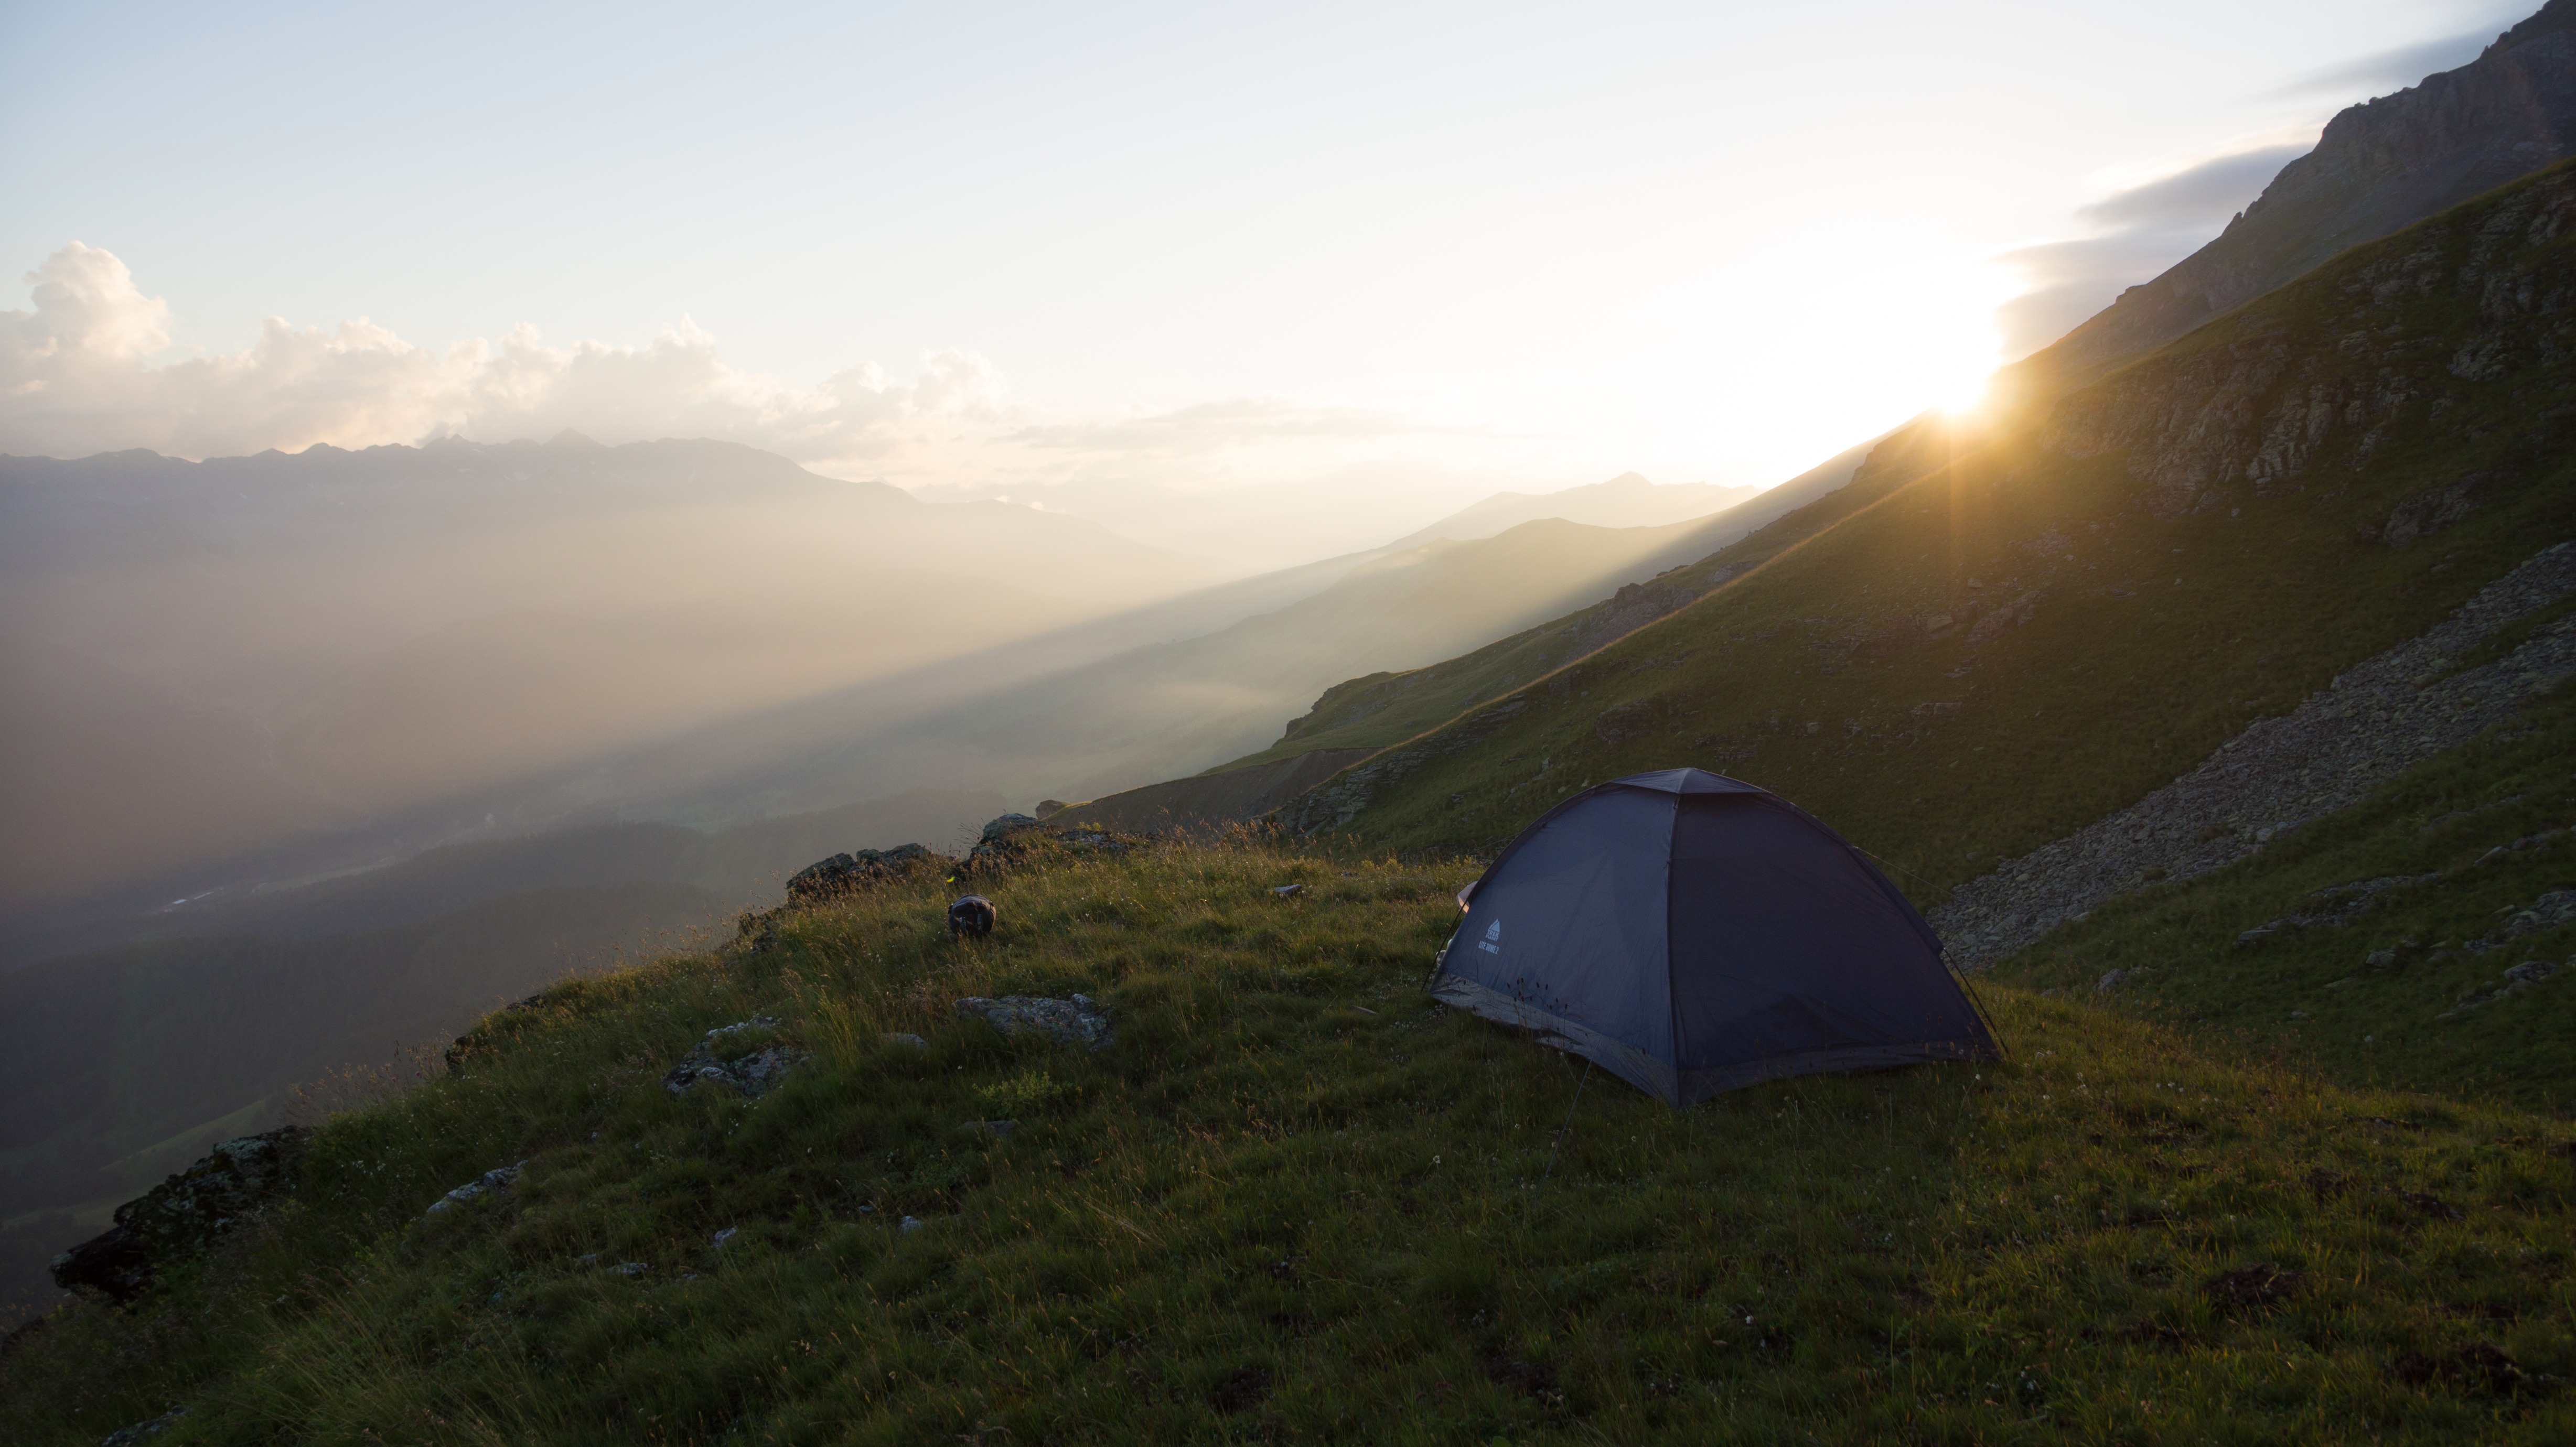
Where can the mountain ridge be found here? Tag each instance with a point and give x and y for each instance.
(2378, 167)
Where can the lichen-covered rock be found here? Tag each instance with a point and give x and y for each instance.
(843, 873)
(2551, 910)
(499, 1178)
(1078, 1021)
(1013, 839)
(185, 1214)
(753, 1072)
(1006, 826)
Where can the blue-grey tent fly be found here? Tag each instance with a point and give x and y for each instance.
(1692, 934)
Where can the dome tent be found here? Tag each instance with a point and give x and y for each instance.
(1693, 934)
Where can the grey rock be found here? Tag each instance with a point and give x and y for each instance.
(185, 1214)
(754, 1073)
(1285, 890)
(2551, 910)
(842, 873)
(910, 1223)
(499, 1178)
(725, 1235)
(1006, 826)
(143, 1431)
(897, 1037)
(2531, 972)
(1078, 1021)
(2110, 982)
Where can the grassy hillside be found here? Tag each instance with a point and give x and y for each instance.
(2404, 983)
(1296, 1200)
(2036, 622)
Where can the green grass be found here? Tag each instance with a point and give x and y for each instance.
(1297, 1200)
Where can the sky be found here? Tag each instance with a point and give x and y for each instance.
(1370, 259)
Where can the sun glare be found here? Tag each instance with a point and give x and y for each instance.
(1964, 395)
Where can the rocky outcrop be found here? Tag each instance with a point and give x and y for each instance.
(2377, 721)
(1078, 1021)
(1007, 825)
(2313, 391)
(724, 1058)
(185, 1214)
(1015, 839)
(842, 873)
(499, 1178)
(825, 880)
(2379, 168)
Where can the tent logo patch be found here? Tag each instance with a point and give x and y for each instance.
(1492, 942)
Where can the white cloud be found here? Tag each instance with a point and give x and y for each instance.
(87, 370)
(79, 373)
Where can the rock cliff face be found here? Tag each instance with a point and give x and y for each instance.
(2378, 168)
(2301, 395)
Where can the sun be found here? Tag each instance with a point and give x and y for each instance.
(1964, 394)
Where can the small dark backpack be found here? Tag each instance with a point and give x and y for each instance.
(973, 916)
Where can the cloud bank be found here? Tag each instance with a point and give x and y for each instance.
(87, 368)
(2143, 230)
(78, 375)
